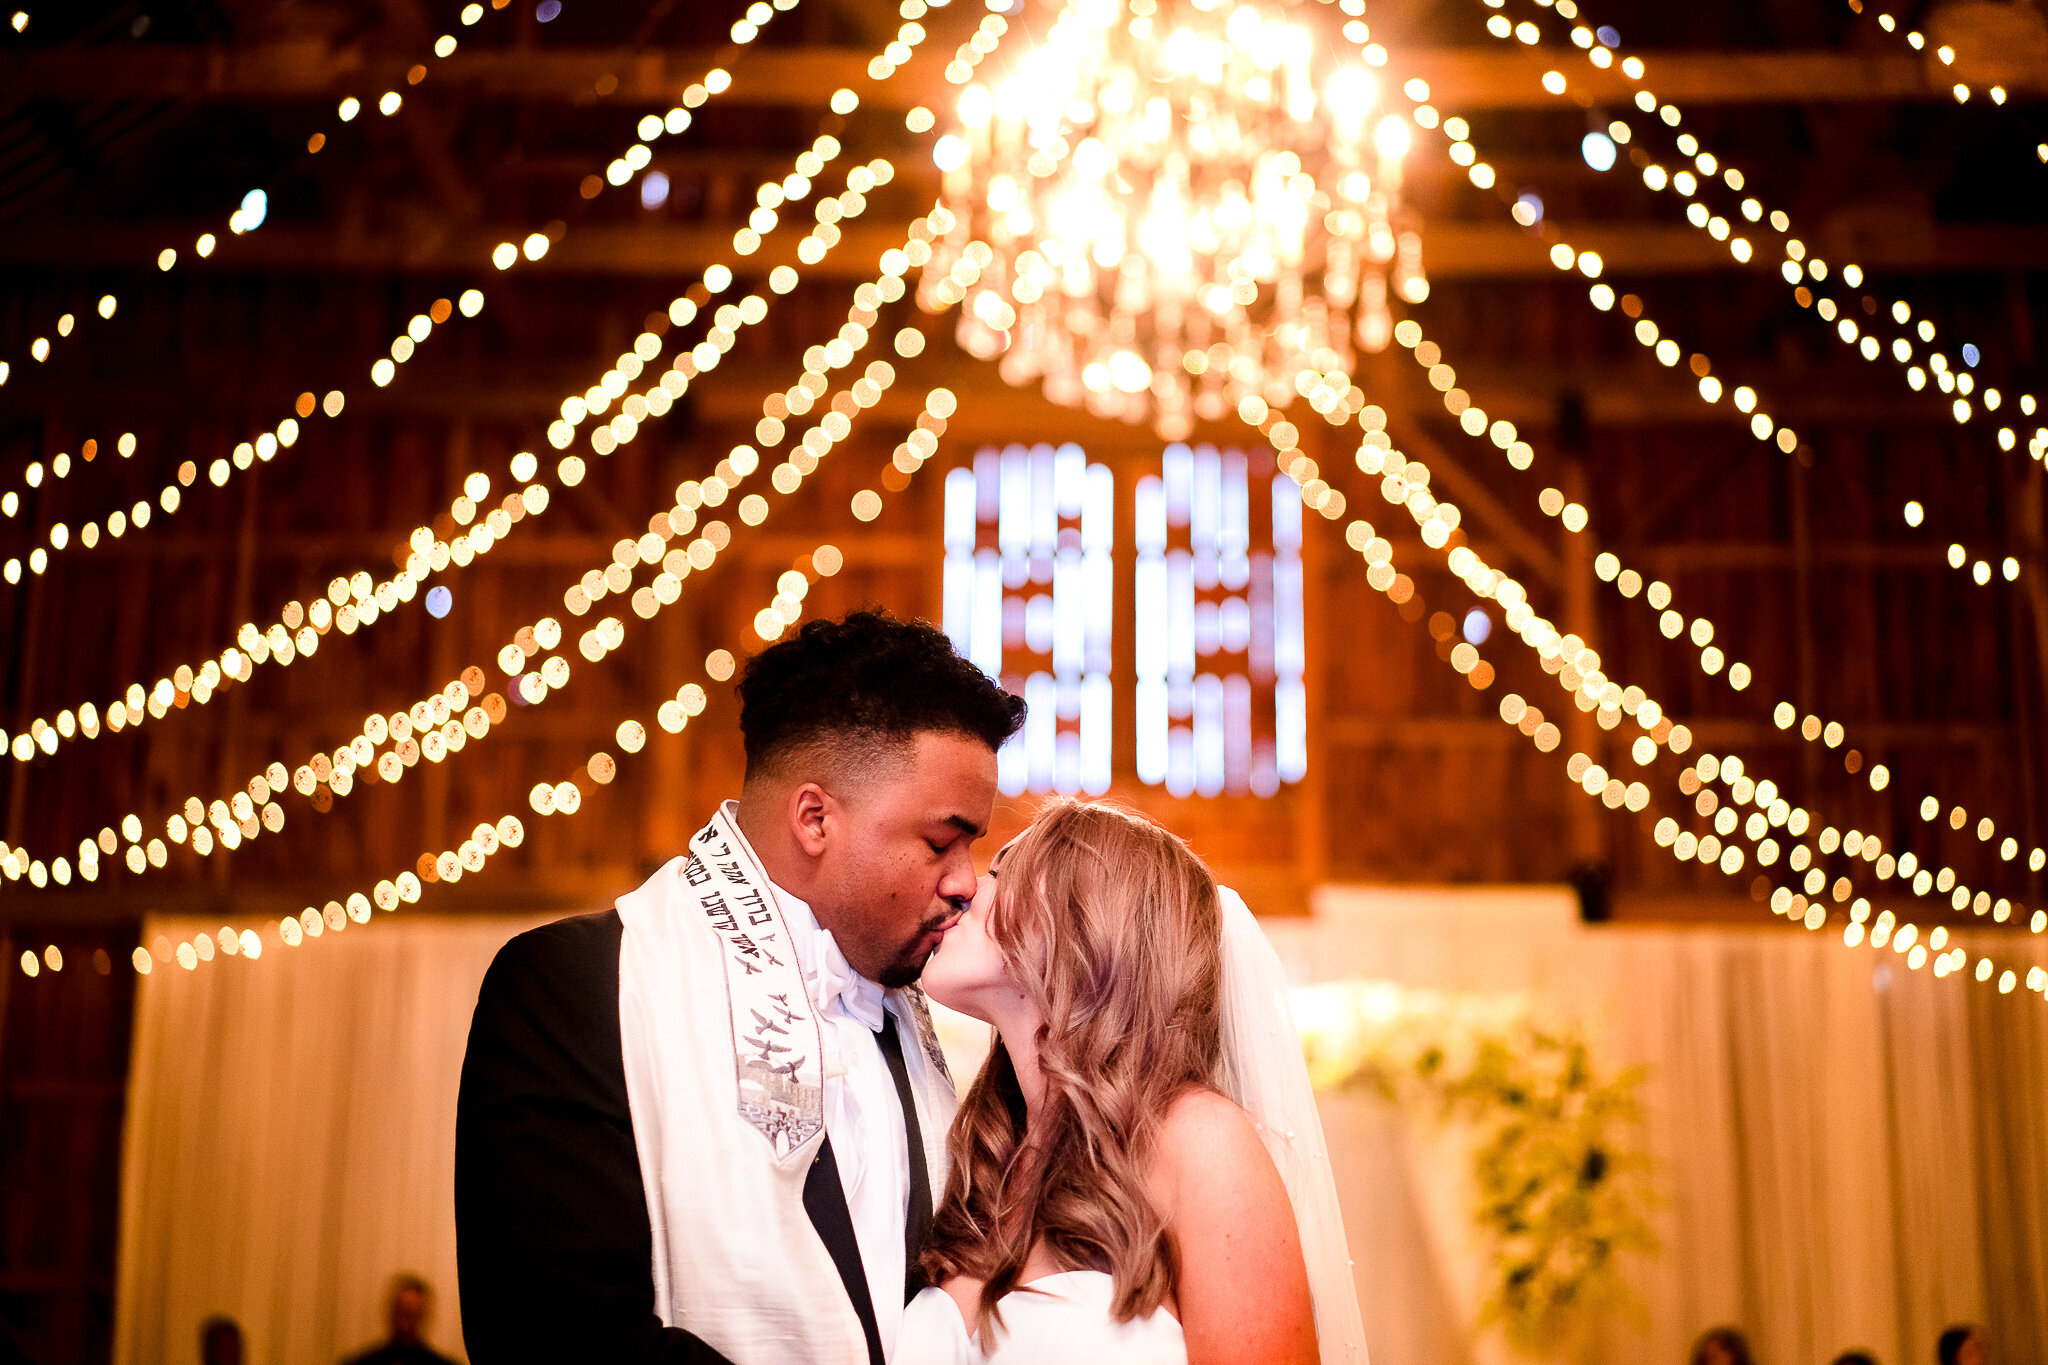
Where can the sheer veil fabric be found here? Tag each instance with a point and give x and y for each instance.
(1264, 1073)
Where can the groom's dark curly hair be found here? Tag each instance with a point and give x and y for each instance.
(869, 681)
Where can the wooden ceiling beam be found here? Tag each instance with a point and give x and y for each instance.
(724, 405)
(654, 248)
(1461, 79)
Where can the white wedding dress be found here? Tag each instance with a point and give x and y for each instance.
(1061, 1319)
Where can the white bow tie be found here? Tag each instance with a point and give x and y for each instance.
(831, 978)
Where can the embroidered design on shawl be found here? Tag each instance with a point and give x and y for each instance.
(777, 1048)
(927, 1032)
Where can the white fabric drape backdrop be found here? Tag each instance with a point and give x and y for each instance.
(1841, 1164)
(291, 1139)
(1849, 1154)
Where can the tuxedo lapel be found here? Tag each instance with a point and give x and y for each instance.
(825, 1202)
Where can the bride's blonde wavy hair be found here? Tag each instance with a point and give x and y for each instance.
(1112, 926)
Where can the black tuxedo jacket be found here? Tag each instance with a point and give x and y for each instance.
(553, 1244)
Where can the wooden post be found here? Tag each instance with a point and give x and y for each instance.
(1586, 831)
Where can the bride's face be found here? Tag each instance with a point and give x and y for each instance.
(967, 973)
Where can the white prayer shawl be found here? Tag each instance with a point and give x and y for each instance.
(725, 1082)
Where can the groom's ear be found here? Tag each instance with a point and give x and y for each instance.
(811, 812)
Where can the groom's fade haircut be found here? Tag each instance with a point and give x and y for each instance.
(843, 694)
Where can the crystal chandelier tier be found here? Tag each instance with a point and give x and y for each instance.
(1191, 202)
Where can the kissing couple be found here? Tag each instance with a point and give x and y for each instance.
(714, 1124)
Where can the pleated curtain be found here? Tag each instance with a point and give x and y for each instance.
(1848, 1153)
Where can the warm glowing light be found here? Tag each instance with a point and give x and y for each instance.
(1142, 269)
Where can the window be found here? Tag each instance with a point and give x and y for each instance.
(1029, 596)
(1220, 705)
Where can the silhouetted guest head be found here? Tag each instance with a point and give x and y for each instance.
(1855, 1358)
(408, 1309)
(1962, 1344)
(220, 1342)
(1722, 1346)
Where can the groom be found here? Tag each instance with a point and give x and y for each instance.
(708, 1125)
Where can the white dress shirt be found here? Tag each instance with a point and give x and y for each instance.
(863, 1113)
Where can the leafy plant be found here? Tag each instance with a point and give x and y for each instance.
(1559, 1185)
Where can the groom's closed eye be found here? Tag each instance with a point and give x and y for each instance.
(960, 825)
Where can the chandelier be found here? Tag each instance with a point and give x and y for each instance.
(1190, 202)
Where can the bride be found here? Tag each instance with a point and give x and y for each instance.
(1138, 1173)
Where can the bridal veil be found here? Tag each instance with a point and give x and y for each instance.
(1264, 1072)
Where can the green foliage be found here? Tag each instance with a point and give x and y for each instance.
(1559, 1186)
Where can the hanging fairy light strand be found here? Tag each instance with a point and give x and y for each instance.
(404, 888)
(559, 798)
(1563, 255)
(1961, 90)
(45, 735)
(1577, 668)
(1609, 568)
(253, 210)
(1597, 783)
(59, 468)
(863, 393)
(40, 348)
(244, 456)
(438, 717)
(1799, 268)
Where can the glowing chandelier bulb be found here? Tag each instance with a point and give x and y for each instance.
(1142, 264)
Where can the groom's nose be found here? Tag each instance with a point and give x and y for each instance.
(956, 887)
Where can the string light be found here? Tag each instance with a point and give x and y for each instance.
(646, 603)
(61, 465)
(566, 797)
(252, 210)
(1961, 90)
(245, 455)
(485, 841)
(813, 248)
(1577, 667)
(1609, 568)
(1565, 257)
(1711, 658)
(435, 718)
(1801, 271)
(41, 348)
(294, 633)
(1595, 781)
(546, 798)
